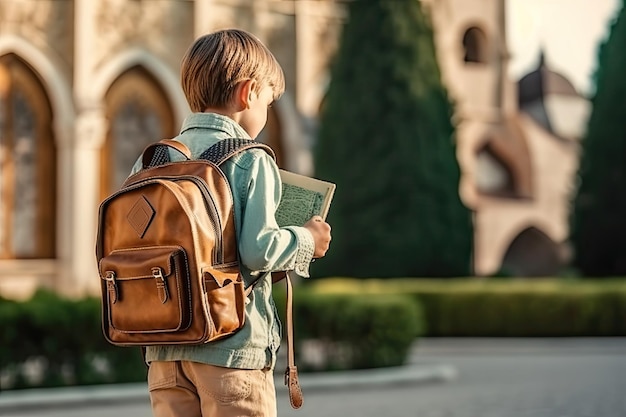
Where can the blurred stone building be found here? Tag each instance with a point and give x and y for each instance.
(86, 84)
(517, 141)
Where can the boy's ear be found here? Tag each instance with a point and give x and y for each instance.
(245, 94)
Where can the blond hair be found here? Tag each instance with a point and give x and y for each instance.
(216, 63)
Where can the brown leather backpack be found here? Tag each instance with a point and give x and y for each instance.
(167, 254)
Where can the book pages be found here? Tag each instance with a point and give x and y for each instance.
(302, 198)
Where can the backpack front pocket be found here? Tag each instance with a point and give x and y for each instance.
(148, 289)
(226, 300)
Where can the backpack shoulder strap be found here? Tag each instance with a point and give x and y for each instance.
(217, 154)
(158, 153)
(227, 148)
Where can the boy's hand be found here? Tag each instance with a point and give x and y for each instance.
(321, 235)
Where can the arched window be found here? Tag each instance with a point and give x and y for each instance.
(493, 177)
(27, 164)
(138, 113)
(475, 46)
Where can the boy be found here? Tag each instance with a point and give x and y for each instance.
(230, 79)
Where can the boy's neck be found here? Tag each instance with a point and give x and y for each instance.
(231, 114)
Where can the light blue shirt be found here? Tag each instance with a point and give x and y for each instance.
(263, 247)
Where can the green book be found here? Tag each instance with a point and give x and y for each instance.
(302, 198)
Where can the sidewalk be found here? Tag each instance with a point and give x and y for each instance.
(412, 373)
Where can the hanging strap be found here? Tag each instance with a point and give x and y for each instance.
(291, 374)
(217, 154)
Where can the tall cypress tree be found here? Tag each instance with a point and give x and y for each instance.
(598, 226)
(387, 141)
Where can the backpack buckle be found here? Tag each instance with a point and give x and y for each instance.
(161, 284)
(111, 286)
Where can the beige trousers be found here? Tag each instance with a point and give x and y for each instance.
(191, 389)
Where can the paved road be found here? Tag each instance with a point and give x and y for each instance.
(547, 385)
(496, 378)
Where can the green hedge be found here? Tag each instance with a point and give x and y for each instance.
(339, 324)
(349, 331)
(504, 308)
(50, 341)
(62, 339)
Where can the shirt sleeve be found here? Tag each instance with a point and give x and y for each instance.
(263, 245)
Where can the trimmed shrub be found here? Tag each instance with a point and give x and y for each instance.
(50, 341)
(355, 331)
(501, 308)
(339, 324)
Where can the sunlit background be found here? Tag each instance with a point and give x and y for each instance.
(85, 85)
(568, 31)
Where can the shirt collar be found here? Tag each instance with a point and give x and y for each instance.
(214, 121)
